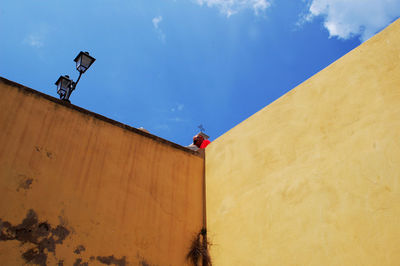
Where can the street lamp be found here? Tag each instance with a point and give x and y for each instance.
(83, 61)
(65, 85)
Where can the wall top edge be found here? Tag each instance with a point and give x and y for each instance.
(98, 116)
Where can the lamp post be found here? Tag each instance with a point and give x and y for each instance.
(65, 85)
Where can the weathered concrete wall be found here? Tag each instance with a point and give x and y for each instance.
(76, 187)
(314, 178)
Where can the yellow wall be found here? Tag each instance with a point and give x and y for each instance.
(314, 178)
(76, 187)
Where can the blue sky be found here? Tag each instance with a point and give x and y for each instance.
(170, 65)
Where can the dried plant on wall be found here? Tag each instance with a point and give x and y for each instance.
(199, 249)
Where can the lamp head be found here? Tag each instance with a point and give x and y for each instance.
(64, 87)
(83, 61)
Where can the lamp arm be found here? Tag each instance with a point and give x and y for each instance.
(76, 83)
(73, 86)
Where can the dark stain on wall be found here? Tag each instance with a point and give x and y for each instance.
(111, 260)
(24, 183)
(41, 234)
(44, 151)
(79, 249)
(79, 262)
(143, 263)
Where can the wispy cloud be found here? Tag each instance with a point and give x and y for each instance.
(345, 19)
(35, 40)
(177, 119)
(178, 107)
(156, 21)
(231, 7)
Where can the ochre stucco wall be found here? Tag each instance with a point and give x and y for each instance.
(77, 189)
(314, 178)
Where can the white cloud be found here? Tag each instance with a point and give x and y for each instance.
(175, 110)
(34, 40)
(156, 21)
(37, 38)
(177, 119)
(231, 7)
(348, 18)
(178, 107)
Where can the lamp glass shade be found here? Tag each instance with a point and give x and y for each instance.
(63, 85)
(83, 61)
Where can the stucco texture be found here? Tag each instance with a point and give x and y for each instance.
(76, 188)
(314, 178)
